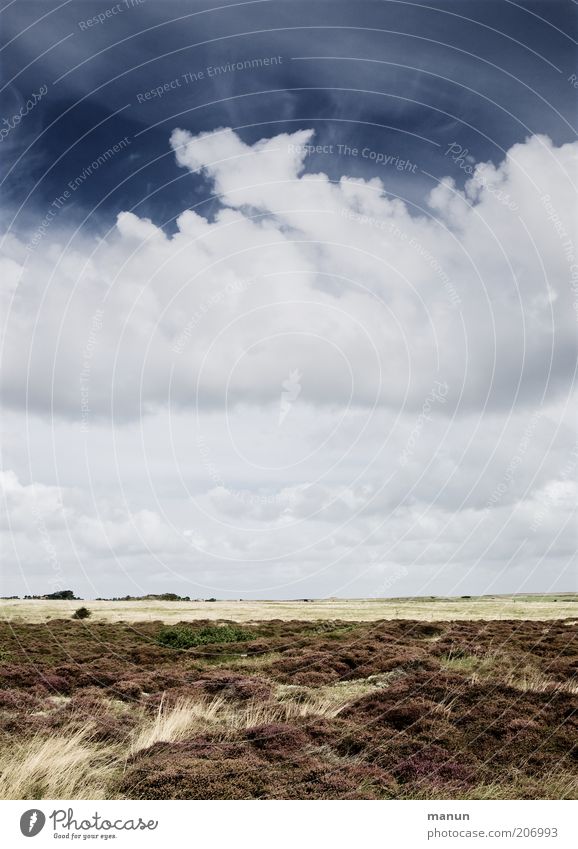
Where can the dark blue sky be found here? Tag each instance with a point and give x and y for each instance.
(405, 79)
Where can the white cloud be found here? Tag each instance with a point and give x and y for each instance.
(295, 271)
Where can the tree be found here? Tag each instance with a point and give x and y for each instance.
(61, 595)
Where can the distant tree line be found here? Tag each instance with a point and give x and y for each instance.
(156, 597)
(60, 595)
(68, 595)
(150, 597)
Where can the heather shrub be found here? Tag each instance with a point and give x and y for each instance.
(235, 688)
(432, 764)
(114, 727)
(277, 740)
(179, 771)
(126, 690)
(54, 683)
(201, 770)
(102, 673)
(17, 700)
(81, 613)
(262, 647)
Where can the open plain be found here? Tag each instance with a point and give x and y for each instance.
(558, 606)
(397, 699)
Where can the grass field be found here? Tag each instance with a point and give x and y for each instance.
(560, 606)
(299, 709)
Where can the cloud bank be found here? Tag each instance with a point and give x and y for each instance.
(305, 383)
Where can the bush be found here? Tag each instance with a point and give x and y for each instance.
(186, 638)
(81, 613)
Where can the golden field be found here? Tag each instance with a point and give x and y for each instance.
(534, 607)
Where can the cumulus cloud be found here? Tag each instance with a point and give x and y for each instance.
(107, 528)
(370, 300)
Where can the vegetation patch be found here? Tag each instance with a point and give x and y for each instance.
(181, 637)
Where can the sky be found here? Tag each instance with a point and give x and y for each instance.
(289, 297)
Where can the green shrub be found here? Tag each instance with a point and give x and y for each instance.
(81, 613)
(180, 637)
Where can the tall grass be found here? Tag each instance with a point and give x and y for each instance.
(188, 717)
(64, 766)
(537, 682)
(557, 786)
(179, 722)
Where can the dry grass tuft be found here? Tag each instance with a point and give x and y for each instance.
(558, 786)
(189, 717)
(331, 699)
(482, 666)
(67, 766)
(537, 682)
(181, 721)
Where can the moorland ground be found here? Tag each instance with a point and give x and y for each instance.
(294, 709)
